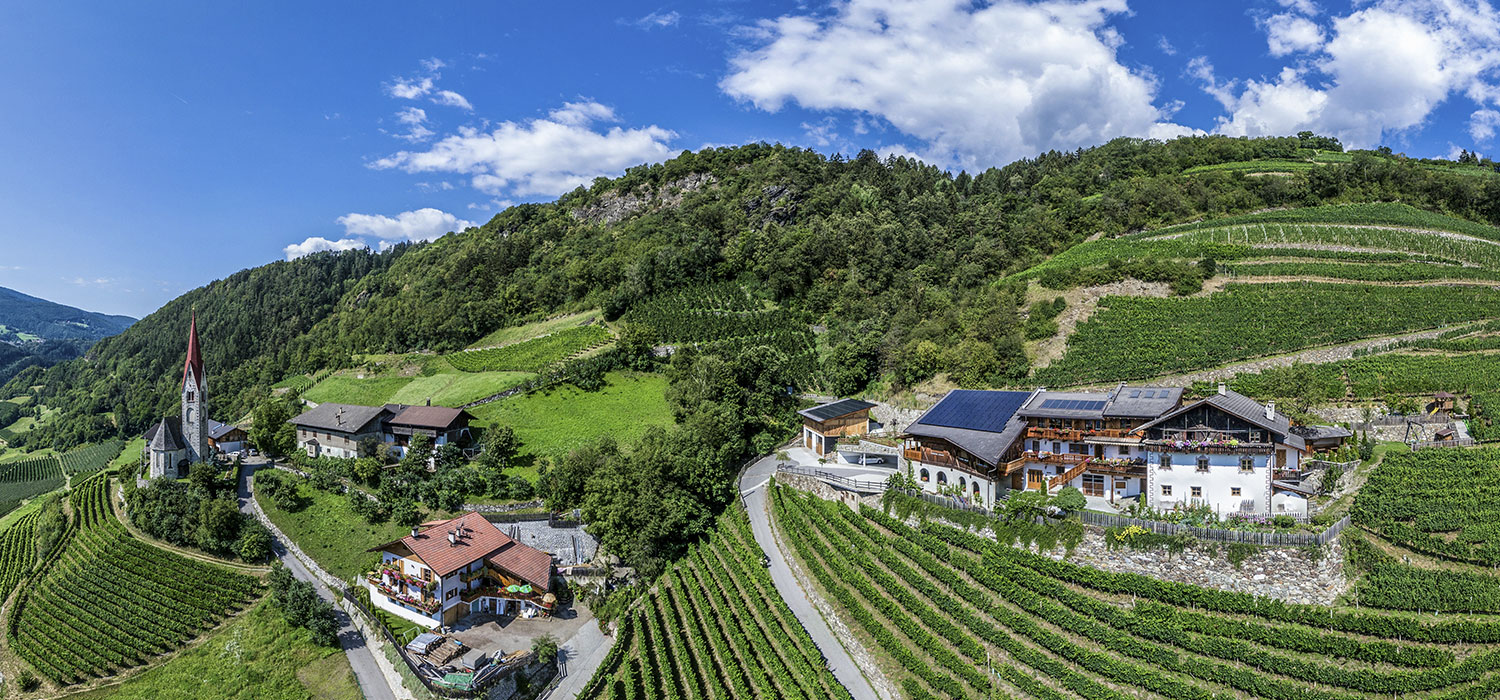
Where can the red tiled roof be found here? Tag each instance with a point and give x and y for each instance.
(481, 540)
(531, 565)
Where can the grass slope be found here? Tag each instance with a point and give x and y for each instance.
(372, 391)
(515, 334)
(258, 655)
(330, 532)
(557, 420)
(458, 388)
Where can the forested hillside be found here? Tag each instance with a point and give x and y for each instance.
(37, 332)
(903, 270)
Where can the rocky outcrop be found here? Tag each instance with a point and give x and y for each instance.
(614, 207)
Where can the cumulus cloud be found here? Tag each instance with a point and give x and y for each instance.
(420, 225)
(318, 244)
(1483, 123)
(1287, 33)
(1383, 69)
(980, 84)
(546, 156)
(1306, 7)
(425, 85)
(450, 98)
(409, 88)
(415, 120)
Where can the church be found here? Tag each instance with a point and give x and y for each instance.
(179, 441)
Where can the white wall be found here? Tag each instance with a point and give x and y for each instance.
(986, 486)
(1217, 483)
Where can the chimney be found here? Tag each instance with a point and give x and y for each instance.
(340, 416)
(414, 531)
(1223, 389)
(429, 401)
(452, 539)
(1270, 410)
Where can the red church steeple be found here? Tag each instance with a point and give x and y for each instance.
(194, 357)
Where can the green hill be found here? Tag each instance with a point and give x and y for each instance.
(861, 269)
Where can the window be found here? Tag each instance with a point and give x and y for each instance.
(942, 477)
(976, 488)
(1166, 462)
(1166, 490)
(190, 396)
(1234, 490)
(1078, 448)
(450, 594)
(962, 483)
(1202, 463)
(1247, 465)
(924, 475)
(1197, 492)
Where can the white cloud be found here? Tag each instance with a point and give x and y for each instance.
(432, 65)
(1166, 46)
(1306, 7)
(1383, 69)
(1291, 34)
(658, 19)
(452, 99)
(979, 84)
(409, 88)
(1483, 124)
(318, 244)
(415, 120)
(546, 156)
(419, 225)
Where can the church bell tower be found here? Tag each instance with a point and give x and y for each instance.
(194, 399)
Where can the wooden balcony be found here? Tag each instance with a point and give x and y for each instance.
(1055, 458)
(1013, 466)
(933, 457)
(1066, 476)
(1071, 435)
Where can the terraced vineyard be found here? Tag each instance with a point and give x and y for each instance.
(959, 616)
(106, 601)
(29, 478)
(17, 552)
(533, 355)
(723, 318)
(90, 458)
(714, 627)
(1410, 499)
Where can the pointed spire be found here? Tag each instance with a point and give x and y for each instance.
(194, 356)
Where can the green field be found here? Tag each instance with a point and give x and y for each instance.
(457, 388)
(557, 420)
(372, 391)
(515, 334)
(329, 532)
(258, 655)
(536, 354)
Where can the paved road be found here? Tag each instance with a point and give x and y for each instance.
(752, 488)
(581, 656)
(371, 681)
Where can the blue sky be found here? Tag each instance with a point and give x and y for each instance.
(149, 148)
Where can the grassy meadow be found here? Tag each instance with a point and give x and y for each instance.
(556, 420)
(330, 532)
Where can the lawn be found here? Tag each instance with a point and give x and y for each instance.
(531, 330)
(329, 532)
(456, 388)
(256, 656)
(352, 390)
(20, 455)
(131, 455)
(557, 420)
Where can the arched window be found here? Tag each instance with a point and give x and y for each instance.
(942, 477)
(976, 488)
(961, 483)
(924, 475)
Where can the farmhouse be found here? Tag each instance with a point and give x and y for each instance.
(1227, 452)
(823, 425)
(336, 430)
(226, 437)
(967, 443)
(1089, 440)
(445, 570)
(443, 425)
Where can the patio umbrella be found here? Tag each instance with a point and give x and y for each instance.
(526, 589)
(513, 589)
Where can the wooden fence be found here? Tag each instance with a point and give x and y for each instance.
(1454, 442)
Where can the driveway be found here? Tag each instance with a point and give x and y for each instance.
(753, 490)
(371, 681)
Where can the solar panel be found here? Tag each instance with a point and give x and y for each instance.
(971, 409)
(1135, 393)
(1150, 393)
(1051, 403)
(1090, 405)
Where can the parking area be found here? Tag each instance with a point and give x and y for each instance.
(503, 634)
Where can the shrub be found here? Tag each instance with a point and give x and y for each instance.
(1285, 522)
(1070, 499)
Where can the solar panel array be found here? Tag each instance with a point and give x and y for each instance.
(1073, 405)
(971, 409)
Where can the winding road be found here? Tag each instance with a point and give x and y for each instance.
(371, 681)
(753, 492)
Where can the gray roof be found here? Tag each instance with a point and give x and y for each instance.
(165, 436)
(834, 409)
(1143, 401)
(1248, 410)
(988, 444)
(340, 418)
(217, 430)
(1293, 487)
(1122, 402)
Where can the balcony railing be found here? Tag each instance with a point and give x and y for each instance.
(1071, 434)
(422, 604)
(1056, 457)
(941, 459)
(1066, 476)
